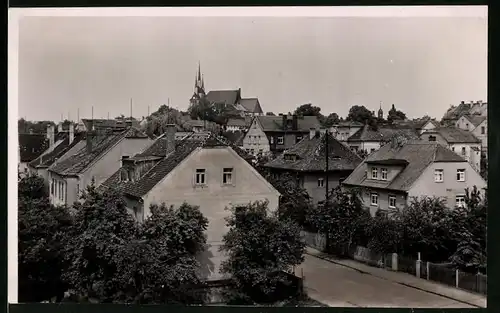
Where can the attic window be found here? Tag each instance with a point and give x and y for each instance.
(432, 138)
(290, 157)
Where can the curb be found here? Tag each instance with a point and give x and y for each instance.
(400, 283)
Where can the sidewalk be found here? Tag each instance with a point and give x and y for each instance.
(405, 279)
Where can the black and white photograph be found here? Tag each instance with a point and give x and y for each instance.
(249, 156)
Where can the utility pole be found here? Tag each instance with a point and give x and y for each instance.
(326, 165)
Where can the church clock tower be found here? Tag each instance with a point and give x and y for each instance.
(199, 88)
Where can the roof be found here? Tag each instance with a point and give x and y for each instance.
(275, 123)
(381, 134)
(168, 163)
(416, 153)
(223, 96)
(48, 159)
(311, 156)
(78, 162)
(31, 146)
(455, 135)
(348, 124)
(475, 119)
(251, 104)
(197, 123)
(455, 112)
(239, 122)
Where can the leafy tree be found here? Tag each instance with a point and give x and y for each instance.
(359, 113)
(385, 232)
(484, 167)
(308, 110)
(394, 114)
(42, 234)
(270, 114)
(332, 119)
(260, 249)
(37, 127)
(112, 258)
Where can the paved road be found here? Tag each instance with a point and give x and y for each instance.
(340, 286)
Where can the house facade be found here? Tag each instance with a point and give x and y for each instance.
(274, 134)
(343, 130)
(307, 161)
(454, 113)
(208, 173)
(478, 126)
(96, 160)
(460, 141)
(31, 146)
(399, 172)
(369, 140)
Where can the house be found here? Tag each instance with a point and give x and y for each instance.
(95, 160)
(455, 112)
(210, 173)
(67, 145)
(274, 134)
(31, 146)
(400, 171)
(424, 125)
(307, 161)
(232, 100)
(478, 126)
(370, 140)
(460, 141)
(345, 129)
(238, 124)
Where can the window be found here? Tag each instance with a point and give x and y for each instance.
(460, 201)
(60, 190)
(467, 125)
(271, 140)
(374, 199)
(483, 130)
(438, 175)
(374, 173)
(200, 176)
(77, 188)
(432, 138)
(298, 138)
(392, 202)
(384, 174)
(461, 175)
(280, 140)
(321, 182)
(52, 186)
(453, 149)
(463, 150)
(372, 150)
(227, 176)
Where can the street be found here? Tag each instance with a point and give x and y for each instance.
(340, 286)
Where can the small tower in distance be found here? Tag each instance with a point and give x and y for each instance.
(380, 112)
(199, 87)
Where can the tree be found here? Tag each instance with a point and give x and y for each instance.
(36, 127)
(358, 113)
(308, 110)
(332, 119)
(385, 232)
(484, 167)
(42, 234)
(394, 114)
(260, 249)
(113, 258)
(270, 114)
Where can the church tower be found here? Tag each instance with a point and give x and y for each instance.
(199, 87)
(380, 112)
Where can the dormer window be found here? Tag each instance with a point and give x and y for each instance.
(384, 174)
(374, 173)
(432, 138)
(290, 157)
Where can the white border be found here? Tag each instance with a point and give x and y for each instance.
(13, 33)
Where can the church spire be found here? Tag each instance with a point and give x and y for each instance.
(199, 71)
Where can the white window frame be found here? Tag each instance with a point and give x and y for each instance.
(280, 140)
(373, 196)
(227, 176)
(436, 175)
(374, 173)
(460, 201)
(392, 197)
(383, 173)
(271, 140)
(321, 182)
(461, 175)
(200, 177)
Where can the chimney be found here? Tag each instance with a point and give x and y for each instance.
(463, 102)
(480, 101)
(284, 119)
(90, 138)
(295, 122)
(170, 138)
(50, 135)
(60, 127)
(322, 130)
(71, 133)
(124, 157)
(312, 133)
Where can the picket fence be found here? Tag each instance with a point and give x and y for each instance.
(392, 261)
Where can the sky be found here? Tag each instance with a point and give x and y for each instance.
(421, 64)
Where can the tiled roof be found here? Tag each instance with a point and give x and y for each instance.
(251, 104)
(223, 96)
(275, 123)
(455, 112)
(32, 145)
(48, 159)
(164, 166)
(455, 135)
(348, 124)
(310, 155)
(80, 160)
(417, 154)
(239, 122)
(381, 134)
(476, 120)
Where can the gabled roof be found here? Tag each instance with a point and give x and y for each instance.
(348, 124)
(48, 159)
(168, 163)
(275, 123)
(417, 154)
(382, 134)
(32, 145)
(455, 135)
(251, 104)
(475, 119)
(238, 122)
(223, 96)
(78, 162)
(310, 155)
